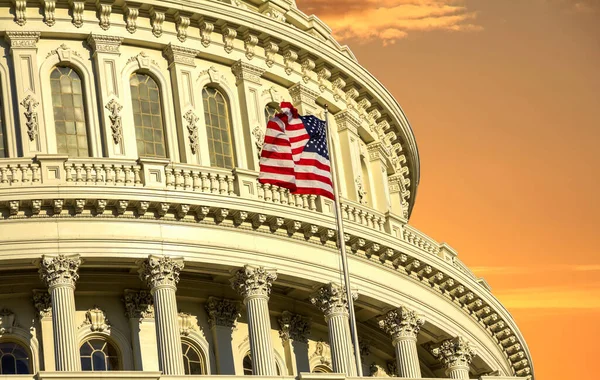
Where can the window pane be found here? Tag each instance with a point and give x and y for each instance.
(192, 359)
(99, 361)
(67, 101)
(147, 113)
(98, 355)
(9, 365)
(218, 128)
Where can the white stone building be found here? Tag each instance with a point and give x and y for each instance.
(136, 242)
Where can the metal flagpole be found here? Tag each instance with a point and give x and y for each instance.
(342, 244)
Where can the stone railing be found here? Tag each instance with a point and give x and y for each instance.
(418, 239)
(362, 215)
(102, 172)
(19, 172)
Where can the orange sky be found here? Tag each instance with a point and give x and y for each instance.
(504, 99)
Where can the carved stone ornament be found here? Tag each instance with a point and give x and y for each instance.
(187, 323)
(308, 65)
(180, 54)
(7, 321)
(77, 12)
(362, 193)
(246, 72)
(31, 116)
(392, 368)
(375, 370)
(22, 40)
(159, 271)
(182, 22)
(223, 312)
(364, 347)
(294, 327)
(63, 52)
(20, 12)
(206, 29)
(59, 270)
(192, 128)
(138, 304)
(42, 303)
(271, 48)
(229, 35)
(301, 94)
(253, 281)
(401, 323)
(157, 18)
(331, 299)
(455, 352)
(323, 75)
(289, 58)
(116, 125)
(104, 10)
(131, 15)
(213, 75)
(96, 319)
(49, 8)
(322, 353)
(250, 42)
(104, 44)
(259, 139)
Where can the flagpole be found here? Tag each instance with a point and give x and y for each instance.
(342, 244)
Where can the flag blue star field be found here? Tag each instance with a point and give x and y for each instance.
(295, 154)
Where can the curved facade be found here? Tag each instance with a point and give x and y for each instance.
(137, 242)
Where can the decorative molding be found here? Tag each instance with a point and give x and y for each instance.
(360, 190)
(96, 319)
(192, 128)
(246, 72)
(301, 94)
(131, 15)
(143, 60)
(253, 281)
(229, 35)
(77, 8)
(273, 12)
(323, 75)
(214, 75)
(346, 120)
(401, 323)
(331, 299)
(206, 29)
(20, 12)
(116, 125)
(294, 326)
(64, 53)
(271, 48)
(42, 303)
(104, 10)
(22, 40)
(250, 42)
(157, 18)
(289, 58)
(182, 23)
(337, 85)
(138, 304)
(7, 321)
(49, 8)
(59, 270)
(453, 353)
(321, 354)
(223, 312)
(187, 323)
(364, 347)
(31, 116)
(158, 271)
(104, 44)
(259, 139)
(308, 66)
(180, 54)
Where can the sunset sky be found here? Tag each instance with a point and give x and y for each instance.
(504, 100)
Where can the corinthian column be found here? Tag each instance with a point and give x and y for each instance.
(254, 284)
(222, 319)
(60, 275)
(161, 274)
(403, 325)
(456, 355)
(332, 301)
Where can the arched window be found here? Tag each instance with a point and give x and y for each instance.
(69, 112)
(147, 116)
(271, 110)
(193, 360)
(14, 359)
(249, 369)
(218, 128)
(98, 355)
(322, 369)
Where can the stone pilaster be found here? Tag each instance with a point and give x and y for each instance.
(403, 325)
(348, 152)
(456, 355)
(105, 53)
(23, 52)
(254, 284)
(161, 274)
(139, 310)
(186, 97)
(43, 304)
(222, 319)
(294, 330)
(60, 275)
(332, 301)
(304, 99)
(248, 84)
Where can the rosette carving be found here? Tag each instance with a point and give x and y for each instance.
(59, 270)
(223, 312)
(331, 299)
(401, 323)
(161, 271)
(253, 281)
(455, 352)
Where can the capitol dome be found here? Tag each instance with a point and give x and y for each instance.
(137, 243)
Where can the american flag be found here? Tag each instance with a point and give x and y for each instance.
(295, 155)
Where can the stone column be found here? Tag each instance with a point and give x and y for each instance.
(186, 97)
(60, 275)
(332, 301)
(30, 121)
(161, 274)
(348, 153)
(139, 310)
(294, 330)
(403, 325)
(456, 355)
(222, 319)
(105, 53)
(43, 305)
(254, 284)
(248, 85)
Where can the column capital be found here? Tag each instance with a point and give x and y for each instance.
(223, 312)
(22, 39)
(139, 304)
(253, 281)
(180, 54)
(454, 353)
(161, 271)
(246, 72)
(42, 302)
(401, 323)
(302, 94)
(331, 299)
(104, 44)
(346, 120)
(294, 326)
(59, 270)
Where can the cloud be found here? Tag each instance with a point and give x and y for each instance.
(391, 20)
